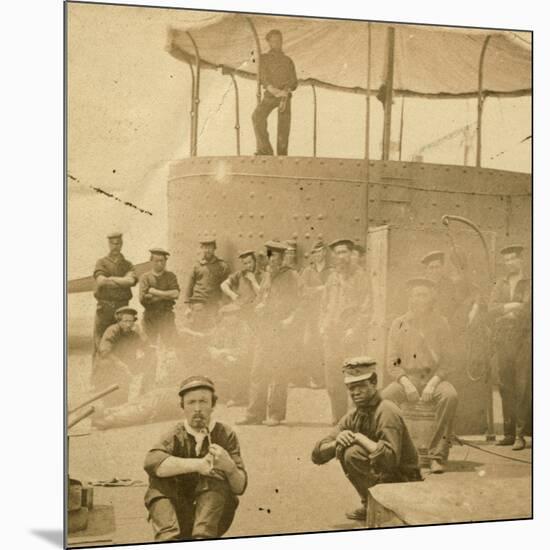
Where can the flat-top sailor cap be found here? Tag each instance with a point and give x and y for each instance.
(126, 309)
(359, 248)
(195, 382)
(291, 244)
(356, 369)
(159, 251)
(276, 245)
(207, 239)
(319, 245)
(420, 281)
(432, 256)
(512, 249)
(348, 242)
(246, 253)
(114, 235)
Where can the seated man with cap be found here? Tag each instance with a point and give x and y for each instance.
(371, 442)
(344, 319)
(203, 293)
(121, 355)
(510, 307)
(278, 78)
(420, 356)
(195, 471)
(114, 276)
(158, 292)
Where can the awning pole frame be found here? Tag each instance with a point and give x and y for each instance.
(314, 119)
(388, 100)
(367, 134)
(192, 111)
(258, 59)
(197, 95)
(237, 114)
(480, 99)
(401, 126)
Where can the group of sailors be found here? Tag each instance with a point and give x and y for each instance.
(308, 327)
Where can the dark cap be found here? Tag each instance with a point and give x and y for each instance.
(115, 235)
(277, 246)
(195, 382)
(512, 249)
(246, 253)
(126, 309)
(420, 281)
(207, 239)
(273, 32)
(432, 256)
(159, 252)
(356, 369)
(318, 246)
(291, 244)
(348, 242)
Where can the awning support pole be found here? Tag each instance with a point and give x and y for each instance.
(480, 99)
(237, 116)
(314, 119)
(258, 60)
(192, 111)
(367, 133)
(401, 126)
(197, 95)
(388, 99)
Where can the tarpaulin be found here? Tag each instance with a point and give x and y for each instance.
(429, 61)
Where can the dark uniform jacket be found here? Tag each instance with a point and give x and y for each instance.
(204, 283)
(177, 442)
(243, 287)
(123, 345)
(165, 281)
(280, 294)
(277, 69)
(518, 325)
(420, 351)
(110, 267)
(395, 457)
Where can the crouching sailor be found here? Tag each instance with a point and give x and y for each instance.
(195, 471)
(371, 442)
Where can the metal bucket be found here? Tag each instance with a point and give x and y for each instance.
(420, 420)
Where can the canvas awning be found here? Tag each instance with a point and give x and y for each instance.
(429, 61)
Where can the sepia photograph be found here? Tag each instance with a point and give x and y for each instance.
(298, 274)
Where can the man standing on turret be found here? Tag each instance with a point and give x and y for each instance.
(278, 77)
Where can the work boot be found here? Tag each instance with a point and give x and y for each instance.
(436, 466)
(505, 441)
(519, 444)
(248, 421)
(359, 514)
(271, 422)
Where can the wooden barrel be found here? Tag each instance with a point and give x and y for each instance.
(420, 420)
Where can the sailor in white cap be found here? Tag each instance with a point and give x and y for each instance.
(371, 442)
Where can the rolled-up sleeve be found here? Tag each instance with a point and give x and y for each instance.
(100, 269)
(159, 453)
